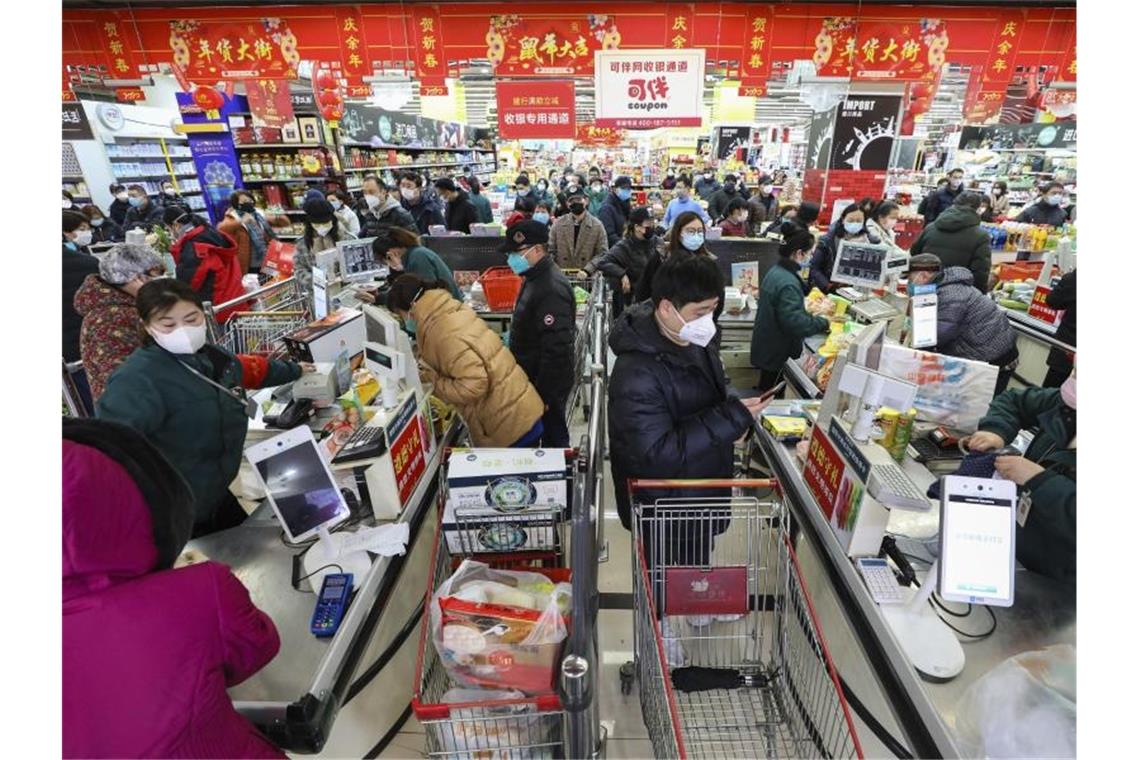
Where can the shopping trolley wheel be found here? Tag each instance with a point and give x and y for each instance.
(626, 673)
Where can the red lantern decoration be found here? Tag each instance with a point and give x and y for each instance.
(326, 81)
(331, 114)
(209, 100)
(331, 98)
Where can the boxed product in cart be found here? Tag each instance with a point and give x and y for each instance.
(478, 530)
(505, 481)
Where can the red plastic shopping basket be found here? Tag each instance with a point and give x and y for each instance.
(501, 286)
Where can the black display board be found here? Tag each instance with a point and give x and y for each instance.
(865, 128)
(728, 139)
(378, 127)
(819, 139)
(75, 124)
(1061, 134)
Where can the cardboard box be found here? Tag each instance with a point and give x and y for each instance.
(324, 339)
(477, 531)
(508, 481)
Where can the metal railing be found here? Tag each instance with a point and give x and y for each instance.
(271, 313)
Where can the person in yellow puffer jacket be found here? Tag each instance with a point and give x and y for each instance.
(468, 365)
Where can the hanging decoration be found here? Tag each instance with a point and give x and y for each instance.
(209, 99)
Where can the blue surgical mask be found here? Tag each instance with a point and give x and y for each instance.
(624, 193)
(693, 240)
(524, 190)
(852, 228)
(336, 205)
(135, 201)
(541, 217)
(518, 263)
(410, 325)
(1053, 200)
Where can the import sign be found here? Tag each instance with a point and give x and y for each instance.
(536, 109)
(646, 89)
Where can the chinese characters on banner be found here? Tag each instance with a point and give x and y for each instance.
(680, 25)
(548, 46)
(1038, 309)
(823, 470)
(431, 61)
(645, 89)
(353, 51)
(407, 448)
(536, 110)
(116, 42)
(998, 69)
(588, 134)
(866, 49)
(269, 102)
(209, 51)
(756, 63)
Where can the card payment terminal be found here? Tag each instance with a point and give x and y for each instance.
(331, 604)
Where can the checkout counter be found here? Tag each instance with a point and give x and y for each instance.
(918, 712)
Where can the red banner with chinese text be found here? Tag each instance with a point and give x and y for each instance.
(353, 56)
(269, 102)
(431, 61)
(129, 94)
(870, 48)
(1038, 309)
(680, 18)
(433, 90)
(536, 110)
(823, 470)
(210, 51)
(408, 458)
(589, 135)
(756, 63)
(548, 46)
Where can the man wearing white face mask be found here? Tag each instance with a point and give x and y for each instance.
(670, 413)
(1048, 208)
(1046, 476)
(188, 398)
(377, 208)
(120, 205)
(425, 209)
(944, 197)
(763, 207)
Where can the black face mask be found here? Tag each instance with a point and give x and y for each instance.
(246, 208)
(577, 208)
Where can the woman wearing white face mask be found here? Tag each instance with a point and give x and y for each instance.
(322, 231)
(187, 397)
(853, 228)
(686, 238)
(782, 322)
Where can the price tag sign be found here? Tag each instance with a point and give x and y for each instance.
(823, 471)
(924, 317)
(1038, 309)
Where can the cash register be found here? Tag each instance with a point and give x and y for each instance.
(863, 266)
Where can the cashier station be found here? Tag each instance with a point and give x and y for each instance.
(296, 697)
(876, 657)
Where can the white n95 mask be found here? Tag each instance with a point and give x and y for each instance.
(185, 339)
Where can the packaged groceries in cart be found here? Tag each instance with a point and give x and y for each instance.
(730, 659)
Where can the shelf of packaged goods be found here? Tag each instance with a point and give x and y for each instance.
(256, 146)
(412, 147)
(355, 169)
(287, 179)
(164, 175)
(158, 157)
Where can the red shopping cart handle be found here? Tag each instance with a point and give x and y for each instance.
(635, 485)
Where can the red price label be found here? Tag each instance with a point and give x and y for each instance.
(1038, 309)
(823, 471)
(408, 459)
(129, 94)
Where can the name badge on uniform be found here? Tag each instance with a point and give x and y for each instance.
(1024, 504)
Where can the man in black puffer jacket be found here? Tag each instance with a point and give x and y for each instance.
(624, 264)
(614, 213)
(958, 240)
(670, 413)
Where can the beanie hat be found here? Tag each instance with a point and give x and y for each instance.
(126, 261)
(925, 262)
(313, 194)
(318, 210)
(639, 215)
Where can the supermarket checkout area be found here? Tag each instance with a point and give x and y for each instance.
(918, 710)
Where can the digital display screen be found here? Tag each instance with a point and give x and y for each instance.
(305, 495)
(977, 539)
(333, 592)
(372, 355)
(358, 260)
(859, 264)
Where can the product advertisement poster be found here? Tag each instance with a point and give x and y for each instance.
(536, 110)
(865, 129)
(646, 89)
(731, 139)
(379, 128)
(269, 102)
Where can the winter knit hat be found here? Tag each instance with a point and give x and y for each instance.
(126, 261)
(313, 193)
(318, 210)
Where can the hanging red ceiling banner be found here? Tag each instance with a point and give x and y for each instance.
(121, 60)
(536, 110)
(353, 48)
(212, 51)
(756, 63)
(680, 20)
(426, 33)
(867, 48)
(269, 102)
(589, 135)
(517, 46)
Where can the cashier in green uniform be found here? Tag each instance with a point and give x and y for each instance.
(1046, 475)
(782, 322)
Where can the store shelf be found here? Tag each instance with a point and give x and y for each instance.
(258, 146)
(288, 179)
(411, 147)
(355, 170)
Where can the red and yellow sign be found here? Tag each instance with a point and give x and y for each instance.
(353, 49)
(756, 62)
(536, 110)
(823, 470)
(209, 51)
(548, 46)
(129, 94)
(431, 60)
(588, 134)
(434, 89)
(269, 102)
(1038, 309)
(870, 49)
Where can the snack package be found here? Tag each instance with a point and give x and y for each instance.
(501, 628)
(489, 726)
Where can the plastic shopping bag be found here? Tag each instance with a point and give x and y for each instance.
(501, 628)
(495, 726)
(278, 259)
(1025, 707)
(951, 391)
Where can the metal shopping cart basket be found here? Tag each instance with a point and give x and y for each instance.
(718, 587)
(507, 729)
(279, 309)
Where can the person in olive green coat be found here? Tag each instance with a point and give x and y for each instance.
(957, 239)
(1047, 474)
(782, 322)
(166, 391)
(403, 253)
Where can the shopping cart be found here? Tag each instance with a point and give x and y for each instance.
(277, 310)
(718, 586)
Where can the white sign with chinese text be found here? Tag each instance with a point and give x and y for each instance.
(646, 89)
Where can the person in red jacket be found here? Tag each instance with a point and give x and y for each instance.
(148, 651)
(205, 258)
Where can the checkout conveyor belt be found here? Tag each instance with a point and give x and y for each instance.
(294, 700)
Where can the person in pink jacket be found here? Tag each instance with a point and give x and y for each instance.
(148, 651)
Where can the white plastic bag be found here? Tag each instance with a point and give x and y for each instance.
(951, 391)
(1025, 707)
(492, 730)
(500, 628)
